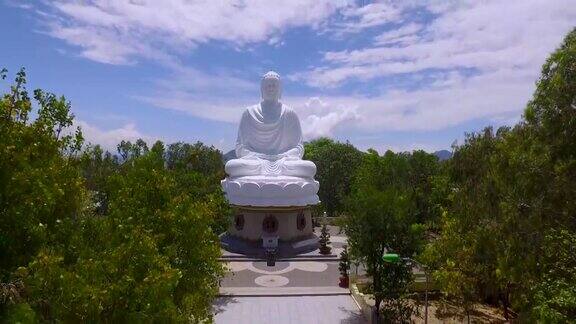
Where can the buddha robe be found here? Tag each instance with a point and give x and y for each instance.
(270, 148)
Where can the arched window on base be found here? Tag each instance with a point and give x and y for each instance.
(301, 221)
(239, 222)
(270, 224)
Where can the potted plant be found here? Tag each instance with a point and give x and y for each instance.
(324, 240)
(344, 266)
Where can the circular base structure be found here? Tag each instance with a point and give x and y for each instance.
(285, 223)
(263, 191)
(254, 249)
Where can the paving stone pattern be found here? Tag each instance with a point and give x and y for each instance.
(297, 272)
(295, 291)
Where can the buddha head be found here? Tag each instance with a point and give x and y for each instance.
(270, 87)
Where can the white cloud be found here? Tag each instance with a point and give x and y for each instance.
(479, 60)
(451, 100)
(121, 31)
(213, 96)
(224, 110)
(485, 36)
(223, 97)
(358, 18)
(320, 118)
(194, 92)
(403, 35)
(109, 139)
(461, 100)
(99, 46)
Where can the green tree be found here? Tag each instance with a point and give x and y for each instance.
(198, 170)
(151, 254)
(324, 240)
(512, 198)
(555, 294)
(336, 164)
(425, 180)
(550, 202)
(344, 264)
(97, 167)
(40, 186)
(153, 257)
(381, 219)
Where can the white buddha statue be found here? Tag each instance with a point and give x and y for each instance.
(270, 138)
(269, 170)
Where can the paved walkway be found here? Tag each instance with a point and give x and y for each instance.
(283, 274)
(291, 309)
(299, 290)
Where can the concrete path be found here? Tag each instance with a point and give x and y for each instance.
(287, 309)
(302, 289)
(282, 291)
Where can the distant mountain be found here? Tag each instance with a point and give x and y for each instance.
(443, 155)
(229, 156)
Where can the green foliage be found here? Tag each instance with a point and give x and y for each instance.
(324, 240)
(100, 238)
(418, 175)
(508, 225)
(383, 217)
(395, 306)
(344, 265)
(555, 295)
(336, 164)
(197, 158)
(198, 170)
(468, 245)
(97, 167)
(127, 280)
(20, 313)
(41, 188)
(427, 183)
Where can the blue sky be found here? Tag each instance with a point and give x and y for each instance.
(398, 75)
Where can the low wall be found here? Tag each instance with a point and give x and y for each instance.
(364, 302)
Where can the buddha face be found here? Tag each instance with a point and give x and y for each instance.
(270, 87)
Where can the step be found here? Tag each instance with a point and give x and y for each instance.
(244, 258)
(282, 291)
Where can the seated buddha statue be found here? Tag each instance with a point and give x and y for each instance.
(269, 142)
(269, 170)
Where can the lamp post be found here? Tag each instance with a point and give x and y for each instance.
(395, 258)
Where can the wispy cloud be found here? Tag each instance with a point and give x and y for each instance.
(123, 31)
(403, 35)
(358, 18)
(213, 96)
(479, 60)
(486, 36)
(110, 138)
(318, 117)
(223, 97)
